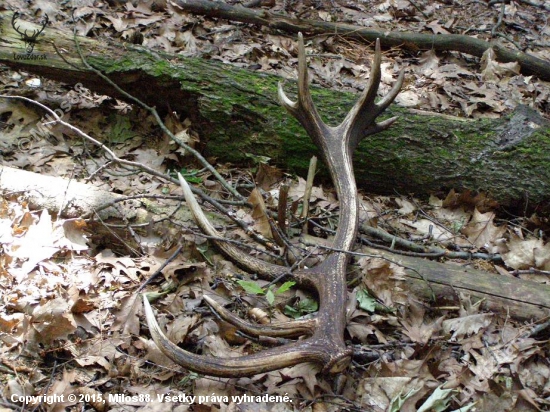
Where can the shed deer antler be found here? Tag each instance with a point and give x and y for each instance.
(325, 344)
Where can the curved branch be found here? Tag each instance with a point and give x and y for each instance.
(530, 65)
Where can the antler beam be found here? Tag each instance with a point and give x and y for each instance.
(325, 344)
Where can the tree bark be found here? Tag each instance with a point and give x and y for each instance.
(237, 113)
(442, 284)
(75, 199)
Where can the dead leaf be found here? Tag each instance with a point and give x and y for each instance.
(62, 388)
(53, 320)
(305, 371)
(126, 318)
(493, 71)
(481, 230)
(405, 206)
(385, 280)
(542, 256)
(360, 331)
(267, 176)
(259, 214)
(521, 254)
(416, 327)
(467, 325)
(429, 62)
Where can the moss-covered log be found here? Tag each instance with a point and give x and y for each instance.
(237, 112)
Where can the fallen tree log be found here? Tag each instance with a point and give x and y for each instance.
(442, 284)
(237, 114)
(436, 282)
(107, 214)
(67, 198)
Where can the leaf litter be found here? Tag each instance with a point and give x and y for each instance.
(70, 318)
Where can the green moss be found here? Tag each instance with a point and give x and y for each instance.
(237, 112)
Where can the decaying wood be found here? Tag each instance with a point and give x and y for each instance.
(66, 198)
(442, 284)
(107, 214)
(509, 158)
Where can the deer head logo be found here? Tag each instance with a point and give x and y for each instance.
(29, 39)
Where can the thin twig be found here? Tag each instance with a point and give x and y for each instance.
(238, 243)
(509, 39)
(307, 192)
(160, 269)
(499, 21)
(145, 168)
(537, 329)
(132, 250)
(531, 271)
(421, 251)
(159, 121)
(415, 250)
(281, 208)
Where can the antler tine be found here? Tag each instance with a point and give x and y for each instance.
(303, 110)
(269, 270)
(360, 121)
(392, 94)
(363, 112)
(292, 329)
(381, 106)
(264, 361)
(371, 89)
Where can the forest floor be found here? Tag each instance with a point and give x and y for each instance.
(72, 324)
